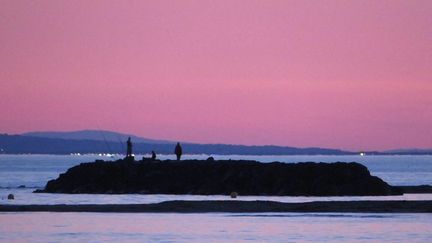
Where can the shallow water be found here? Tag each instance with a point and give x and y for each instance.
(213, 227)
(25, 196)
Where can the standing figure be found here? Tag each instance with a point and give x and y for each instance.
(129, 148)
(153, 155)
(178, 151)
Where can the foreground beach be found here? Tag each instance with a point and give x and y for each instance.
(235, 207)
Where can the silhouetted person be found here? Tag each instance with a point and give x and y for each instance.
(129, 148)
(178, 151)
(153, 155)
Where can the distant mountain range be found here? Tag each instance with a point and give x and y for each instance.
(97, 141)
(97, 135)
(409, 151)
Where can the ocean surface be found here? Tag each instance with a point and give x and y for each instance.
(21, 174)
(213, 227)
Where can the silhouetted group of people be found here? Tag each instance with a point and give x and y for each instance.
(178, 151)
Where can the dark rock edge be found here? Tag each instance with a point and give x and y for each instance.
(209, 177)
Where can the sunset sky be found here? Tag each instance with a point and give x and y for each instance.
(354, 75)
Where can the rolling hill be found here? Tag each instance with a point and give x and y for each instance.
(91, 141)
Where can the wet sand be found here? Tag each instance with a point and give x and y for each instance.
(235, 206)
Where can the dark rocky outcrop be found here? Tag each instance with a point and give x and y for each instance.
(220, 178)
(415, 189)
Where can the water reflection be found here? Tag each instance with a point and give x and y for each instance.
(213, 227)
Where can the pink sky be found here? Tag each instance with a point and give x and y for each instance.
(354, 75)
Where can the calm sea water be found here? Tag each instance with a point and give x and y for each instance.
(33, 171)
(36, 170)
(212, 227)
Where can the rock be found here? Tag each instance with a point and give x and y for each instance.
(234, 194)
(415, 189)
(11, 197)
(202, 177)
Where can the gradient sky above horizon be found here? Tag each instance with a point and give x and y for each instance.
(353, 75)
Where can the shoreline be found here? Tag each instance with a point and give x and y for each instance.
(235, 207)
(419, 189)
